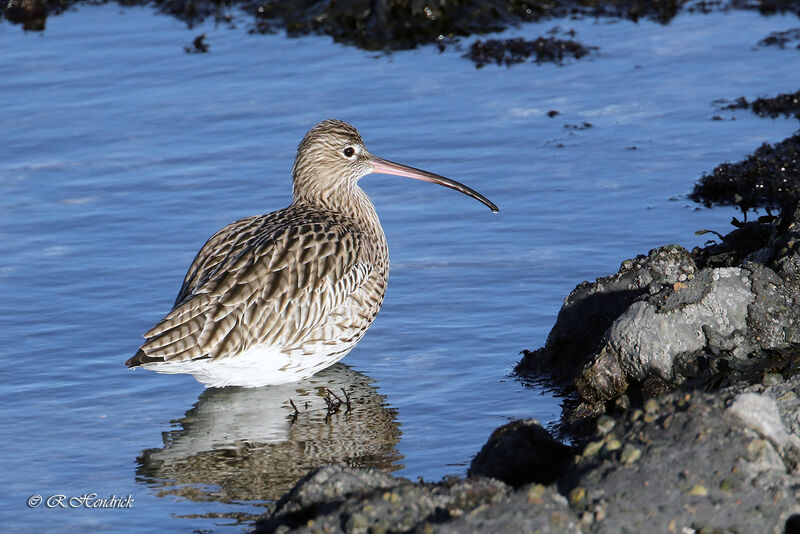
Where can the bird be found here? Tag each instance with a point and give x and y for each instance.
(275, 298)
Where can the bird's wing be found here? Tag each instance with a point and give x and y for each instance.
(262, 279)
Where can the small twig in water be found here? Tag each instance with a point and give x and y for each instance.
(296, 411)
(333, 402)
(346, 400)
(332, 394)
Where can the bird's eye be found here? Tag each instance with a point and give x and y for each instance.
(348, 152)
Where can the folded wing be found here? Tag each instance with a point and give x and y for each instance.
(269, 279)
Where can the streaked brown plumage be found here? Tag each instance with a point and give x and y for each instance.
(275, 298)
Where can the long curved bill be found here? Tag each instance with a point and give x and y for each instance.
(383, 166)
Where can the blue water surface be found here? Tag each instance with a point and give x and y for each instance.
(121, 154)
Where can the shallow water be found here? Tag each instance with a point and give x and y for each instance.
(122, 154)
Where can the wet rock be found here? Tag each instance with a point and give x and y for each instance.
(666, 320)
(342, 499)
(521, 452)
(510, 51)
(591, 308)
(533, 510)
(699, 467)
(723, 461)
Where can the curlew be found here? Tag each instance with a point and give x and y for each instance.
(275, 298)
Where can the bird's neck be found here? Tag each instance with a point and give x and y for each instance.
(351, 202)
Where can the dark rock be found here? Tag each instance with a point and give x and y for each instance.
(342, 499)
(793, 524)
(533, 510)
(510, 51)
(662, 322)
(521, 452)
(694, 462)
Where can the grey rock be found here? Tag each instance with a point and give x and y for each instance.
(702, 468)
(760, 412)
(333, 482)
(716, 308)
(342, 499)
(670, 318)
(533, 510)
(591, 308)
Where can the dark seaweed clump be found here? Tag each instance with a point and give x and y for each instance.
(389, 24)
(510, 51)
(767, 177)
(399, 24)
(784, 104)
(199, 45)
(768, 7)
(764, 179)
(781, 39)
(32, 14)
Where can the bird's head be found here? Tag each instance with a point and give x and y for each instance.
(332, 158)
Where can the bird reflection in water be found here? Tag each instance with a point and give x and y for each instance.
(239, 444)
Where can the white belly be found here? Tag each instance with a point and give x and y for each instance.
(259, 366)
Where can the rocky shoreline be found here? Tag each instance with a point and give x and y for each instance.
(682, 396)
(688, 462)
